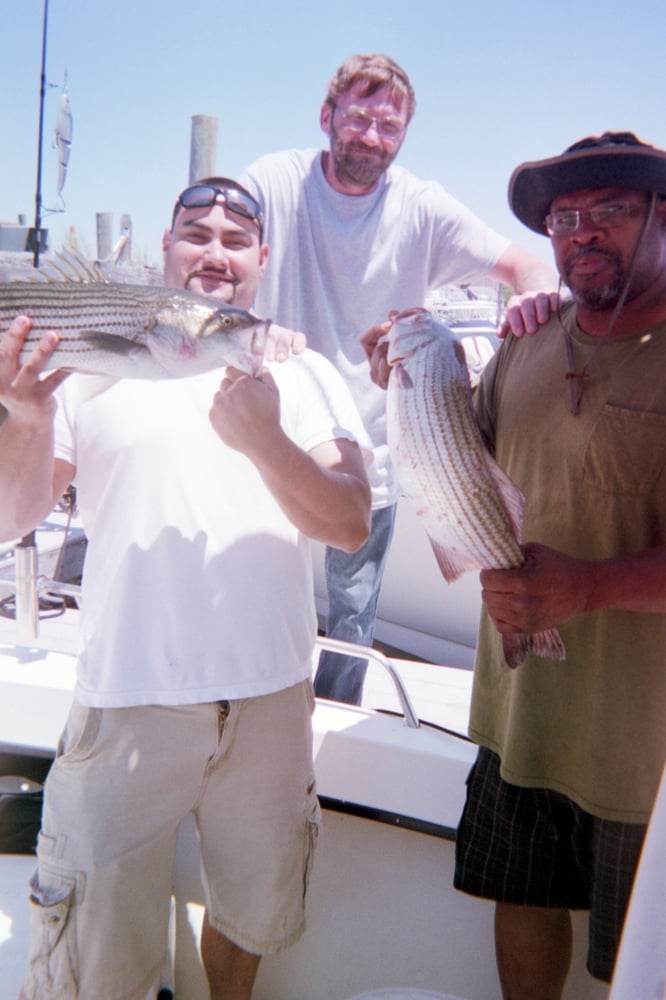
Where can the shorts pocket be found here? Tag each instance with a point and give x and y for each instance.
(53, 958)
(80, 732)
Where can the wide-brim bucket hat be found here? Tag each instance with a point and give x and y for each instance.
(614, 159)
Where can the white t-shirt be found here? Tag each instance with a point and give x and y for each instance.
(339, 263)
(196, 586)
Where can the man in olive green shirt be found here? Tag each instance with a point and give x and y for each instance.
(571, 753)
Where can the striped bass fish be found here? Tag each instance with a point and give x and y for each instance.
(129, 330)
(471, 511)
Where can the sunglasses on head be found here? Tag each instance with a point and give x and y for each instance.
(235, 200)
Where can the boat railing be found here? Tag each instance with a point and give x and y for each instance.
(31, 587)
(374, 656)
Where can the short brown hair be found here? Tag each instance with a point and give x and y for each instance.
(372, 72)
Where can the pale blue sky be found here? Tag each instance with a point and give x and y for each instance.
(496, 83)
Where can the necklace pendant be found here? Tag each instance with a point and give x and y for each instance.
(576, 382)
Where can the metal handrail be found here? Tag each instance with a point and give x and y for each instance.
(58, 588)
(374, 656)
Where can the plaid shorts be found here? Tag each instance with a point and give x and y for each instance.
(536, 847)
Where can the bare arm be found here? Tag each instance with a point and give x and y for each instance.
(323, 492)
(523, 272)
(30, 481)
(552, 587)
(536, 288)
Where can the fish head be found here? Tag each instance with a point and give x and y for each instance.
(194, 334)
(415, 329)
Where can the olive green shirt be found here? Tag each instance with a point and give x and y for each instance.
(592, 727)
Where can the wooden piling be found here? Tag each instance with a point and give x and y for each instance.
(203, 147)
(104, 239)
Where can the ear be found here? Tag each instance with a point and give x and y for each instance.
(263, 257)
(166, 240)
(325, 116)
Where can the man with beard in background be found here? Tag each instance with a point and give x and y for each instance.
(353, 237)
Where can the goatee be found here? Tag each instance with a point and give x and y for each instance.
(594, 296)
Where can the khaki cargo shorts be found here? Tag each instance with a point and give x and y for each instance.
(121, 783)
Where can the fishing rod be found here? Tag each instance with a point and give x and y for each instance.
(25, 552)
(37, 230)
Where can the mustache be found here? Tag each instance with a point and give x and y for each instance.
(586, 251)
(210, 271)
(358, 147)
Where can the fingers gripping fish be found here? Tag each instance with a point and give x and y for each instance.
(470, 509)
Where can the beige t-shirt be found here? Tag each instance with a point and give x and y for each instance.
(594, 726)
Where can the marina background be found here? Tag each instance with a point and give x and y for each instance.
(496, 84)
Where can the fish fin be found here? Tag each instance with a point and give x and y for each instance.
(400, 375)
(65, 265)
(512, 497)
(112, 343)
(72, 266)
(451, 564)
(548, 645)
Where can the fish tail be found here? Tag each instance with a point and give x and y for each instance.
(517, 645)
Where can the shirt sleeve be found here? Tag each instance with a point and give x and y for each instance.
(317, 405)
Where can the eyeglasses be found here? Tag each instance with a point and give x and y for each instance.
(569, 220)
(358, 121)
(235, 200)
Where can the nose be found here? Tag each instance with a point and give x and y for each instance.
(216, 253)
(370, 133)
(588, 230)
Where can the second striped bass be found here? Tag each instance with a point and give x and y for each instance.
(133, 331)
(470, 509)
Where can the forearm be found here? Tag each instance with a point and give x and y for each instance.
(26, 475)
(523, 272)
(551, 587)
(330, 505)
(633, 582)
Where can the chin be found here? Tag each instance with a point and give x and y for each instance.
(224, 291)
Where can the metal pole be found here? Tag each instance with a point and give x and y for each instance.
(104, 222)
(25, 553)
(26, 601)
(38, 192)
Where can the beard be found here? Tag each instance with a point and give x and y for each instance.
(585, 290)
(355, 163)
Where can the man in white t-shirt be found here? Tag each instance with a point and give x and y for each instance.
(194, 691)
(352, 237)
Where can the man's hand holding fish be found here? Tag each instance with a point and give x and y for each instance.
(546, 591)
(21, 385)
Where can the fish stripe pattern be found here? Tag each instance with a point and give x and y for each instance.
(470, 510)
